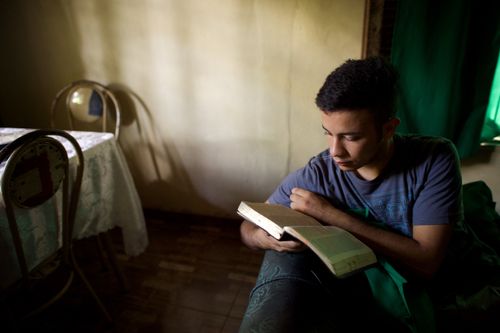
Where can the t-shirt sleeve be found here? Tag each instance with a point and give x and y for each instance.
(440, 198)
(282, 193)
(310, 178)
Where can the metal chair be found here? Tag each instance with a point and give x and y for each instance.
(37, 171)
(89, 105)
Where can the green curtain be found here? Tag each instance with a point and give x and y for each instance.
(446, 52)
(491, 127)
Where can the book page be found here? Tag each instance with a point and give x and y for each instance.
(341, 251)
(273, 218)
(261, 221)
(281, 215)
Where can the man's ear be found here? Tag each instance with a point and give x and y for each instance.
(390, 127)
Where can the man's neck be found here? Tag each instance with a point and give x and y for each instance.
(375, 168)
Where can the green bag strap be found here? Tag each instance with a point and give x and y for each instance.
(409, 303)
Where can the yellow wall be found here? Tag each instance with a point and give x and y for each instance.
(226, 87)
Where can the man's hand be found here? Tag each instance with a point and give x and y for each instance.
(309, 203)
(256, 238)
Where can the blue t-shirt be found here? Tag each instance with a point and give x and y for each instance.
(421, 185)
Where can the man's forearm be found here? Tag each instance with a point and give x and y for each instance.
(246, 231)
(421, 254)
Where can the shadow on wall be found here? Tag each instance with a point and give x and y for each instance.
(141, 142)
(38, 42)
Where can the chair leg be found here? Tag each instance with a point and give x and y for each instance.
(101, 252)
(92, 292)
(54, 298)
(7, 317)
(108, 247)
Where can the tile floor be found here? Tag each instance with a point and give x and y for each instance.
(195, 276)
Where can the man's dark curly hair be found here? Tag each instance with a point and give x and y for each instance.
(361, 84)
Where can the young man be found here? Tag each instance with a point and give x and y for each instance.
(401, 195)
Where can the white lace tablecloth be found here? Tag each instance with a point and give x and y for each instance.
(108, 199)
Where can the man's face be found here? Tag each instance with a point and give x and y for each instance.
(354, 140)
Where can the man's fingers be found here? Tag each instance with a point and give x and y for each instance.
(291, 246)
(299, 191)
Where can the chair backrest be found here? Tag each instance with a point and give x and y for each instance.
(88, 105)
(36, 164)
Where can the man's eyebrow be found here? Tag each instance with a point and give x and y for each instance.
(346, 133)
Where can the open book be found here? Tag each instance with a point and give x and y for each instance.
(342, 253)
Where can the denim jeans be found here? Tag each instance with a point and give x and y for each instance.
(295, 292)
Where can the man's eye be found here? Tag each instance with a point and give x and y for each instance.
(326, 133)
(351, 138)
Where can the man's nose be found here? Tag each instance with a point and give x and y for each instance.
(336, 148)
